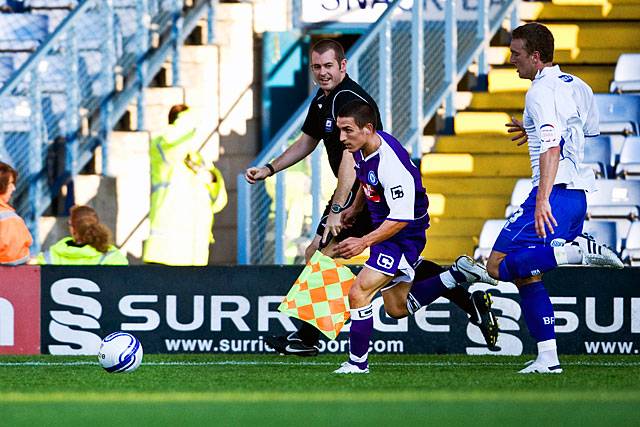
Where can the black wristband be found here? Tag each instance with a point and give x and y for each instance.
(271, 169)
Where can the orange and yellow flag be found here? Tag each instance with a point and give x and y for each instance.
(320, 295)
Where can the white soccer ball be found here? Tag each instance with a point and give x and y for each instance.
(120, 352)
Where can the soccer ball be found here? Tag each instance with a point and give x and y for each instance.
(120, 352)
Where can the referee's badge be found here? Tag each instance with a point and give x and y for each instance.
(328, 125)
(372, 178)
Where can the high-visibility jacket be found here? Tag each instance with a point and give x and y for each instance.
(182, 202)
(15, 237)
(66, 252)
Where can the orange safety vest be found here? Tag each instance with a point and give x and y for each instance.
(15, 238)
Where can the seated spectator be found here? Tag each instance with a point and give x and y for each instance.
(89, 243)
(15, 238)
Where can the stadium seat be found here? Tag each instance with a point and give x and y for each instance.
(605, 233)
(618, 113)
(614, 198)
(488, 235)
(631, 253)
(520, 192)
(626, 77)
(21, 32)
(598, 155)
(629, 165)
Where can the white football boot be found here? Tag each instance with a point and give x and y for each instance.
(536, 367)
(350, 368)
(596, 254)
(473, 271)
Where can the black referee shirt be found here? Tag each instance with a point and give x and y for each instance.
(321, 117)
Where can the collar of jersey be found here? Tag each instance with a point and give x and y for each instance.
(548, 71)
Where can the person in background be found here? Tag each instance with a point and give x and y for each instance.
(186, 192)
(89, 244)
(15, 237)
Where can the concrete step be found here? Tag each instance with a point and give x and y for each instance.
(486, 101)
(467, 206)
(447, 249)
(560, 10)
(441, 227)
(500, 55)
(482, 123)
(478, 143)
(507, 80)
(601, 35)
(451, 164)
(493, 186)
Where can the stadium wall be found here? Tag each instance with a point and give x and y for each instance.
(66, 310)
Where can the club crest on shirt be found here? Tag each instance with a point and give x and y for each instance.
(565, 78)
(371, 193)
(373, 179)
(328, 125)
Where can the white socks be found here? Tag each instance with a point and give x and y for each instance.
(568, 254)
(548, 353)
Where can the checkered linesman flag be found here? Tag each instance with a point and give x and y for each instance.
(320, 295)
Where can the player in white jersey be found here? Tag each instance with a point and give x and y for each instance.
(560, 112)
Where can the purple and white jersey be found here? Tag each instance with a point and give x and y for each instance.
(392, 183)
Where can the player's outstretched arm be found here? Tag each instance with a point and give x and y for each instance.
(292, 155)
(515, 126)
(354, 246)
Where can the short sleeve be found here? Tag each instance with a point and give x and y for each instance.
(311, 124)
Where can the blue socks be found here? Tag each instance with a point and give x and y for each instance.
(537, 311)
(526, 263)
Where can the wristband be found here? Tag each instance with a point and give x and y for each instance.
(272, 171)
(336, 208)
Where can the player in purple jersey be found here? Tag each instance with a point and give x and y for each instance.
(397, 202)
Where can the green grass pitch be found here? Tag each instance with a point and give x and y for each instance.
(264, 390)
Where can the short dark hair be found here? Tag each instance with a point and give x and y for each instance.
(6, 172)
(326, 45)
(361, 112)
(537, 37)
(175, 112)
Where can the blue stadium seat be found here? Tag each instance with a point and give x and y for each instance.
(626, 77)
(488, 236)
(631, 253)
(618, 113)
(614, 198)
(629, 165)
(598, 155)
(605, 233)
(21, 32)
(520, 192)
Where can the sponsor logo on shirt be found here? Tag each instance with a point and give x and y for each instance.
(396, 192)
(565, 78)
(547, 133)
(373, 179)
(371, 193)
(385, 261)
(328, 125)
(556, 243)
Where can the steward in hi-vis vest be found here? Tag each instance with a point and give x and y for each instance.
(186, 192)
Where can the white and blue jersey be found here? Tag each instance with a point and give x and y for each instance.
(393, 188)
(560, 111)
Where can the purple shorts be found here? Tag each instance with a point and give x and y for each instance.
(397, 255)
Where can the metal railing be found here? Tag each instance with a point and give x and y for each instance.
(410, 62)
(72, 74)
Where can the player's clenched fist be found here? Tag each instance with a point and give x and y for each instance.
(252, 175)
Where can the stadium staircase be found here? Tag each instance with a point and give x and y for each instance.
(470, 175)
